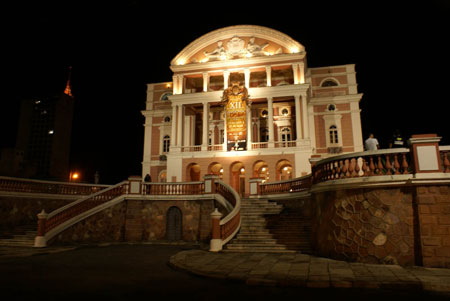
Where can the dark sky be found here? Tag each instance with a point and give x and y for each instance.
(400, 50)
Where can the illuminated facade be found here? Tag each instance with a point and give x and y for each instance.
(292, 113)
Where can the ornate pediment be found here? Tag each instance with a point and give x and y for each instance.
(237, 42)
(236, 48)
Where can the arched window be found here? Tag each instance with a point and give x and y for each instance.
(286, 134)
(329, 83)
(333, 135)
(165, 96)
(166, 144)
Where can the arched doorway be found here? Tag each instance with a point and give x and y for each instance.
(193, 172)
(284, 170)
(216, 169)
(261, 170)
(174, 224)
(237, 177)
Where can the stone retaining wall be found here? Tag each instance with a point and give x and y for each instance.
(140, 221)
(23, 209)
(406, 225)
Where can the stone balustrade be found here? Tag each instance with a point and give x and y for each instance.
(364, 164)
(288, 186)
(9, 184)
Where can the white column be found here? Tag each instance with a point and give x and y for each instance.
(147, 145)
(180, 125)
(187, 130)
(175, 84)
(298, 127)
(305, 117)
(269, 76)
(226, 77)
(205, 81)
(356, 127)
(205, 124)
(173, 136)
(180, 84)
(270, 121)
(295, 71)
(302, 72)
(249, 127)
(247, 78)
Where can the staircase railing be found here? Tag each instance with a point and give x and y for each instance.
(9, 184)
(58, 220)
(293, 185)
(224, 229)
(49, 225)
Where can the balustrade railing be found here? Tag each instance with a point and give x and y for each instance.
(71, 210)
(285, 144)
(260, 145)
(216, 147)
(293, 185)
(445, 158)
(370, 163)
(181, 188)
(36, 186)
(229, 225)
(192, 148)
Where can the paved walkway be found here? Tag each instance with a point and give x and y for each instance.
(308, 271)
(293, 270)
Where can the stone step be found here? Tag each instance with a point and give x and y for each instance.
(239, 240)
(253, 235)
(266, 250)
(16, 243)
(261, 210)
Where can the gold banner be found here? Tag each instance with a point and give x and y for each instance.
(236, 113)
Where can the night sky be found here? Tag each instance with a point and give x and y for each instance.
(400, 50)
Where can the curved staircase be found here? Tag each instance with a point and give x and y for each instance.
(269, 227)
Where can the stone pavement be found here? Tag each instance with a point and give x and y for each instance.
(296, 269)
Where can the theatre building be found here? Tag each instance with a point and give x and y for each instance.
(243, 103)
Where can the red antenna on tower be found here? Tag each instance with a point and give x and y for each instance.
(68, 90)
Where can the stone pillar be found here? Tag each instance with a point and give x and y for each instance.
(180, 125)
(226, 77)
(295, 71)
(180, 84)
(298, 127)
(135, 186)
(175, 84)
(205, 123)
(216, 240)
(302, 73)
(205, 81)
(425, 154)
(305, 119)
(173, 140)
(255, 188)
(269, 76)
(210, 180)
(270, 121)
(39, 240)
(247, 78)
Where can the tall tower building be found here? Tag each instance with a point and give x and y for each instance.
(44, 134)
